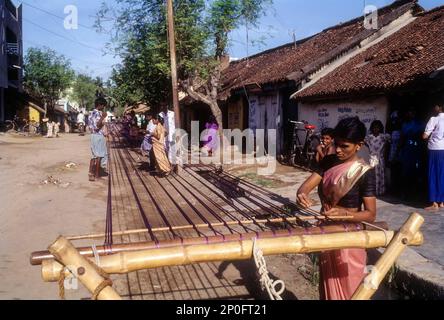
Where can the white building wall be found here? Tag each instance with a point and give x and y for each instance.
(328, 114)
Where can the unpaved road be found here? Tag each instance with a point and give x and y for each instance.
(33, 214)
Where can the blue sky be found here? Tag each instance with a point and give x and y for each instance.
(85, 47)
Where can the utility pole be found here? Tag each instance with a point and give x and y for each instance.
(172, 40)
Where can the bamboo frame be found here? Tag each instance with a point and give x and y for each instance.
(126, 262)
(86, 272)
(397, 246)
(38, 257)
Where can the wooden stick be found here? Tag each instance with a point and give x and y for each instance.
(38, 257)
(65, 253)
(126, 262)
(211, 225)
(394, 250)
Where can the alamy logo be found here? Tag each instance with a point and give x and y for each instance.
(72, 19)
(71, 282)
(252, 147)
(371, 17)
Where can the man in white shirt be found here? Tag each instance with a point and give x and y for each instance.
(170, 127)
(434, 133)
(147, 144)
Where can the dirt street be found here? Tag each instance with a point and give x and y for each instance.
(44, 192)
(35, 209)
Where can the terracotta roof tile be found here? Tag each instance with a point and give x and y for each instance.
(285, 62)
(413, 52)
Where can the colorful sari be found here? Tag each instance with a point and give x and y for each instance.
(342, 271)
(158, 139)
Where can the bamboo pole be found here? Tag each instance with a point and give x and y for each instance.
(38, 257)
(126, 262)
(397, 246)
(86, 272)
(211, 225)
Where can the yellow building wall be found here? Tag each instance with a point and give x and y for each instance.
(34, 114)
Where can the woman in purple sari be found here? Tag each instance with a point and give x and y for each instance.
(347, 188)
(211, 143)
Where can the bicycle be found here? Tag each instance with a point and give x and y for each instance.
(304, 144)
(16, 125)
(32, 128)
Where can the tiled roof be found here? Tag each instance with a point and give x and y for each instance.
(412, 53)
(287, 62)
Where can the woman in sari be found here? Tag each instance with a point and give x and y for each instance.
(211, 143)
(163, 165)
(347, 188)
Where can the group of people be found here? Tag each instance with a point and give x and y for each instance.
(348, 185)
(399, 150)
(52, 128)
(159, 140)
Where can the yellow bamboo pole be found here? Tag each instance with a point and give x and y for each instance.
(86, 272)
(210, 225)
(126, 262)
(37, 257)
(397, 246)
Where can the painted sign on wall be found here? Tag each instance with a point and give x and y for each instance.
(327, 115)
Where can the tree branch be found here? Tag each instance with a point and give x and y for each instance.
(198, 96)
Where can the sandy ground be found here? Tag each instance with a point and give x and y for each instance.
(33, 214)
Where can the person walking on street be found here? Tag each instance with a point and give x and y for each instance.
(81, 123)
(377, 141)
(98, 142)
(434, 133)
(163, 165)
(147, 144)
(170, 138)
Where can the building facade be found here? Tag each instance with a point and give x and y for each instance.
(264, 83)
(11, 58)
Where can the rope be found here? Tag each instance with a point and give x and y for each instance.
(380, 229)
(107, 282)
(99, 289)
(265, 280)
(62, 284)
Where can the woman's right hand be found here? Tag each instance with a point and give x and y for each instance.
(304, 200)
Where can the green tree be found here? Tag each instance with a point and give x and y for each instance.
(47, 75)
(202, 37)
(84, 90)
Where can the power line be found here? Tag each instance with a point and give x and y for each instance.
(62, 36)
(57, 16)
(73, 58)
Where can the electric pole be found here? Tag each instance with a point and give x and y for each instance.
(172, 40)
